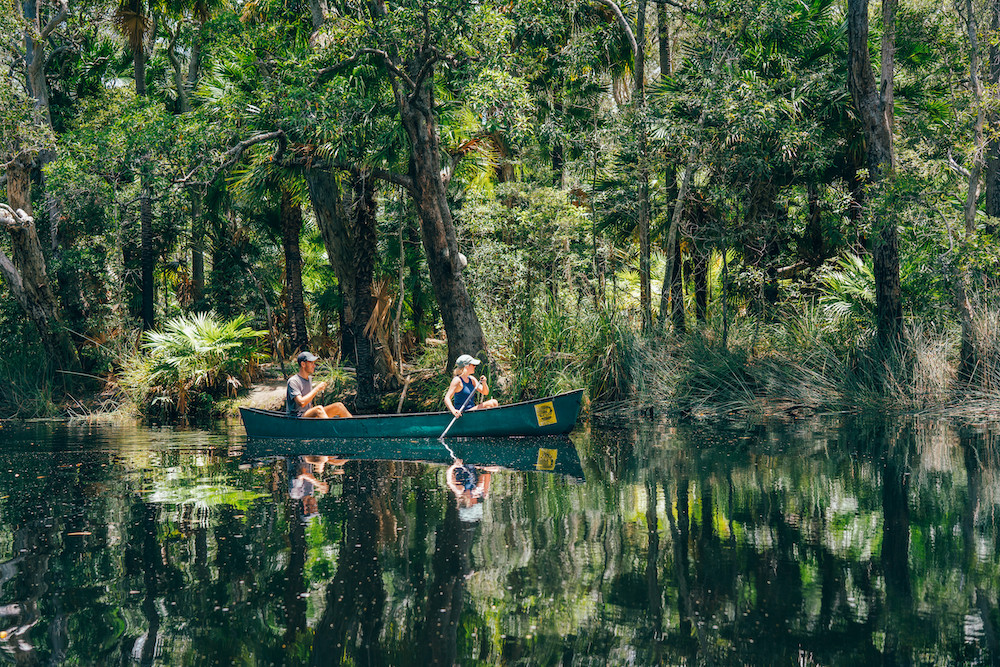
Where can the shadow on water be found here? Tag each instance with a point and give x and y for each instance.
(817, 542)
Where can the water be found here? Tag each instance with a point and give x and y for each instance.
(824, 542)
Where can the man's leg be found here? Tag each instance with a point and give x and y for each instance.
(315, 412)
(337, 410)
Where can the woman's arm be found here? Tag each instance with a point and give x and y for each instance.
(450, 395)
(484, 388)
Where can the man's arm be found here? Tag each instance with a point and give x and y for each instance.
(305, 400)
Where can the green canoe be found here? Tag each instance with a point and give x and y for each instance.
(553, 415)
(554, 454)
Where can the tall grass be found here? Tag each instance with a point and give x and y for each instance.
(27, 388)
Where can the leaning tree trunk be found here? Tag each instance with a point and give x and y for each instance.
(291, 228)
(26, 275)
(437, 230)
(875, 112)
(348, 226)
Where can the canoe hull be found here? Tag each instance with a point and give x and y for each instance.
(553, 415)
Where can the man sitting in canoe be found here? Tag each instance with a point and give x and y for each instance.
(300, 394)
(462, 385)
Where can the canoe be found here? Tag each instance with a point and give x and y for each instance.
(553, 415)
(553, 454)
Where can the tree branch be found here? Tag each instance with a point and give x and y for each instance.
(956, 167)
(425, 69)
(231, 156)
(13, 278)
(55, 20)
(683, 8)
(382, 55)
(15, 219)
(616, 10)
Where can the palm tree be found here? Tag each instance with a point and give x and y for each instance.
(134, 23)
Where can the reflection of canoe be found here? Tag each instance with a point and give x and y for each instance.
(554, 415)
(551, 454)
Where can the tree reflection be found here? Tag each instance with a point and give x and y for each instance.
(856, 542)
(355, 598)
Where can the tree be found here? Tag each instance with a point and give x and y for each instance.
(408, 44)
(134, 23)
(874, 106)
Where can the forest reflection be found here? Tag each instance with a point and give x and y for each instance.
(848, 542)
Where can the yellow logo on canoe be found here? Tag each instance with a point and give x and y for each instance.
(546, 413)
(547, 459)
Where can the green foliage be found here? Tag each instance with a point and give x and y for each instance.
(191, 358)
(848, 292)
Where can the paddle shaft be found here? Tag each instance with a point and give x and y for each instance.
(469, 398)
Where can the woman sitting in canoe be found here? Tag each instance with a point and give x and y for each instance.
(463, 385)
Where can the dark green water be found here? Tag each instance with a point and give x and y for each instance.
(815, 543)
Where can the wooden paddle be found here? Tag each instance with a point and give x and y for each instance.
(474, 388)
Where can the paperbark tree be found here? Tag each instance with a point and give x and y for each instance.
(346, 218)
(26, 274)
(291, 227)
(875, 110)
(963, 240)
(637, 40)
(411, 76)
(134, 23)
(991, 205)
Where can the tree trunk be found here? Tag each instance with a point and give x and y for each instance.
(291, 228)
(147, 259)
(437, 230)
(663, 39)
(26, 275)
(674, 230)
(639, 96)
(700, 275)
(677, 292)
(968, 357)
(197, 247)
(348, 226)
(875, 112)
(992, 184)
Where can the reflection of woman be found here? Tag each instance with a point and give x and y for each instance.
(463, 385)
(470, 485)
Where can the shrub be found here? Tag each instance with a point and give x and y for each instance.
(194, 357)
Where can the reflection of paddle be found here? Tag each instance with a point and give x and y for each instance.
(469, 398)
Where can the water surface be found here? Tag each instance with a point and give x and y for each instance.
(832, 542)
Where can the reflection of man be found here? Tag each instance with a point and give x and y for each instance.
(470, 485)
(302, 485)
(300, 394)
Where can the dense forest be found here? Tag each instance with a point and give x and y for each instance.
(695, 205)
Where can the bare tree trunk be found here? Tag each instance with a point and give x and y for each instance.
(677, 292)
(663, 39)
(291, 228)
(147, 259)
(437, 230)
(26, 275)
(967, 354)
(992, 185)
(348, 226)
(674, 231)
(875, 112)
(197, 246)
